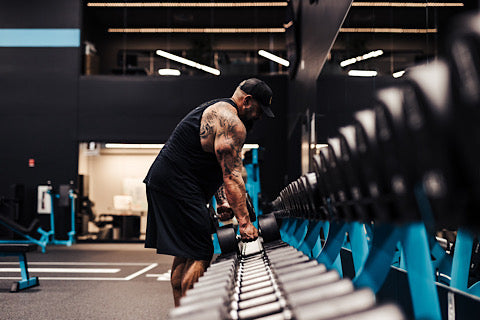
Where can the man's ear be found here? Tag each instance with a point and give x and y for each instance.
(247, 101)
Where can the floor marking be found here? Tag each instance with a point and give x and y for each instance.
(130, 277)
(81, 263)
(136, 274)
(161, 277)
(68, 278)
(62, 270)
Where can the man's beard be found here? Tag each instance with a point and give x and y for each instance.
(248, 123)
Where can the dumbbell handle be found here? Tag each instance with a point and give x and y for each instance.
(259, 311)
(257, 301)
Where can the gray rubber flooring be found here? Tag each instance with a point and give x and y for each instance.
(89, 281)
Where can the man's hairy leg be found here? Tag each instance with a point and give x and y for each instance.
(194, 269)
(178, 270)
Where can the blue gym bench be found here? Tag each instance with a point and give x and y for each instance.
(19, 250)
(29, 233)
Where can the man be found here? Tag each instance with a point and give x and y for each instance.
(201, 158)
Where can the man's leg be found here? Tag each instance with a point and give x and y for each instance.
(178, 269)
(193, 270)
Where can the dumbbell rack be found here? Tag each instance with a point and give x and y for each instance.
(274, 281)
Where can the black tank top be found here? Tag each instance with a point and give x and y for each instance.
(183, 169)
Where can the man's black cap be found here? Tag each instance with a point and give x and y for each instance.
(261, 92)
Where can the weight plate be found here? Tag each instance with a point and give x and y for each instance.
(227, 239)
(269, 228)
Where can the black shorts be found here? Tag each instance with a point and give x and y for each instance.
(178, 227)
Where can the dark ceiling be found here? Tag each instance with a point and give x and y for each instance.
(400, 49)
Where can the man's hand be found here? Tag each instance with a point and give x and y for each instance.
(224, 212)
(248, 231)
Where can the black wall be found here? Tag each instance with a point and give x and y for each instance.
(339, 97)
(39, 96)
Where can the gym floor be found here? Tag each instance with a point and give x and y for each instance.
(89, 281)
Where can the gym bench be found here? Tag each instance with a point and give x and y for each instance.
(19, 250)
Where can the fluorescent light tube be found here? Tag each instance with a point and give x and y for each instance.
(168, 72)
(318, 146)
(133, 146)
(274, 58)
(372, 54)
(362, 73)
(386, 30)
(196, 30)
(398, 74)
(188, 62)
(189, 4)
(407, 4)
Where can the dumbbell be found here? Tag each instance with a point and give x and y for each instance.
(261, 295)
(253, 276)
(229, 242)
(270, 300)
(291, 290)
(354, 174)
(226, 233)
(369, 165)
(312, 311)
(395, 146)
(311, 185)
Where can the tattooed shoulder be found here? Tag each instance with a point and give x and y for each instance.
(230, 126)
(207, 124)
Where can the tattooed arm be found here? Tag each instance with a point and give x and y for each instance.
(229, 138)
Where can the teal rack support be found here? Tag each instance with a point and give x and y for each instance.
(359, 244)
(330, 252)
(461, 263)
(253, 182)
(311, 238)
(216, 244)
(416, 255)
(306, 237)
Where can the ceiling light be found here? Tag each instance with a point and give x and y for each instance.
(386, 30)
(318, 146)
(407, 4)
(196, 30)
(133, 146)
(273, 57)
(398, 74)
(188, 62)
(362, 73)
(188, 4)
(366, 56)
(168, 72)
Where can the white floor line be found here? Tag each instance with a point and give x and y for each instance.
(150, 266)
(62, 270)
(68, 278)
(161, 277)
(136, 274)
(59, 263)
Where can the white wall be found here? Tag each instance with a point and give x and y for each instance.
(116, 172)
